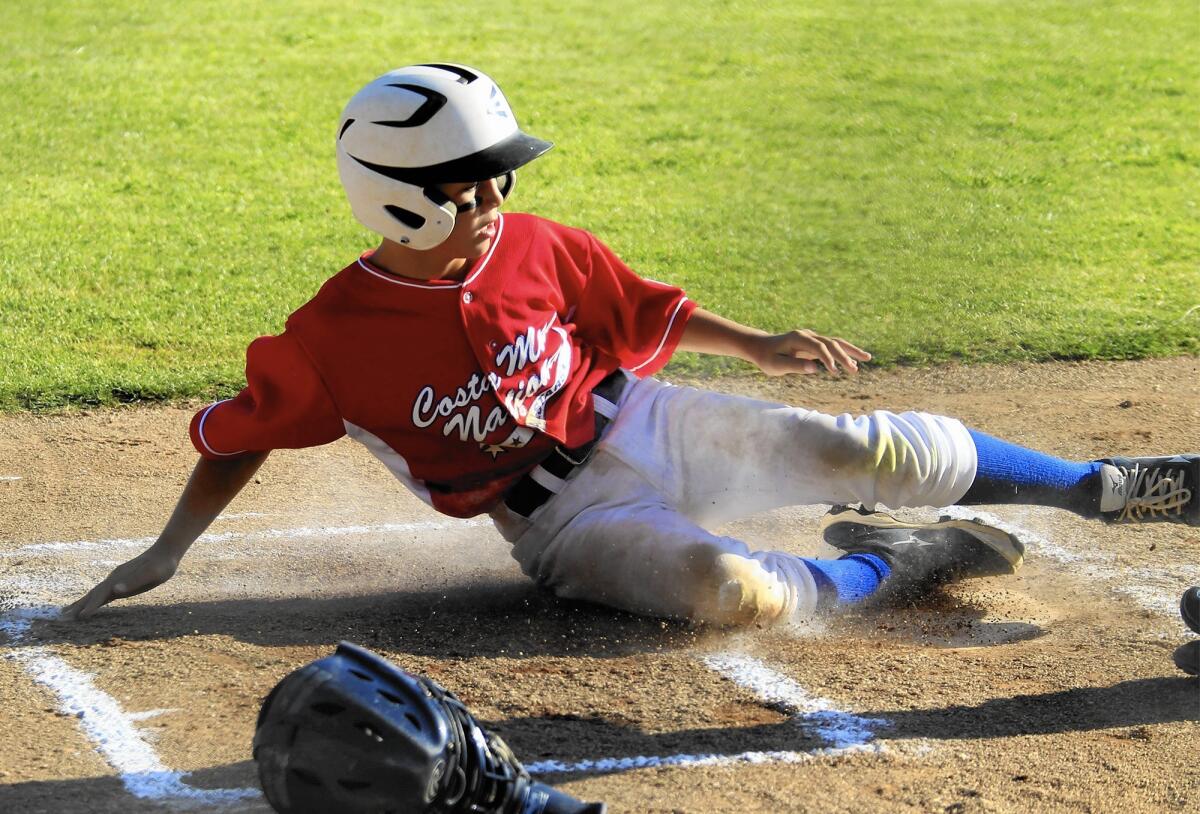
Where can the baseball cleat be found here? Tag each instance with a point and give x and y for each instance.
(925, 553)
(1140, 490)
(1189, 608)
(1187, 657)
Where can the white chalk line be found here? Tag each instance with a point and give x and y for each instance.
(625, 764)
(103, 720)
(842, 730)
(150, 713)
(845, 732)
(298, 533)
(1156, 589)
(145, 776)
(10, 478)
(105, 723)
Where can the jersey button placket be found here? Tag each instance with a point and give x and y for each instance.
(468, 297)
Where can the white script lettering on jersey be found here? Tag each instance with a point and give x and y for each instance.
(546, 350)
(527, 401)
(525, 348)
(427, 407)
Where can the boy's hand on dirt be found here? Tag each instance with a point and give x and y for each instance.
(148, 570)
(805, 351)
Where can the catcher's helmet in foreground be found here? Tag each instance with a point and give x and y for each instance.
(354, 734)
(421, 126)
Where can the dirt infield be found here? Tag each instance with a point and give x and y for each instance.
(1049, 691)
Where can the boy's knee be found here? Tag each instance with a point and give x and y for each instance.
(904, 459)
(732, 590)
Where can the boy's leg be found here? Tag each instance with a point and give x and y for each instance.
(650, 560)
(717, 457)
(1115, 489)
(607, 537)
(720, 457)
(1009, 473)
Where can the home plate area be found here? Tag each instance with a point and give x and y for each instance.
(935, 705)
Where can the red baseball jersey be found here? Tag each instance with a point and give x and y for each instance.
(458, 387)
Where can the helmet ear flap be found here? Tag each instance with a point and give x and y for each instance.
(507, 183)
(422, 231)
(436, 220)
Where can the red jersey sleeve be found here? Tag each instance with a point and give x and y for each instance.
(638, 321)
(285, 405)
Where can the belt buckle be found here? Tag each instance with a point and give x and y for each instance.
(586, 452)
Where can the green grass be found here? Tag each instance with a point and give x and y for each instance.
(963, 179)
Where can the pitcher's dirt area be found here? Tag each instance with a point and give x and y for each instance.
(1049, 691)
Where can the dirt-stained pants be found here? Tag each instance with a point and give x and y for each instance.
(628, 528)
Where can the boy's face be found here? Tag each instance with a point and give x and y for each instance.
(475, 226)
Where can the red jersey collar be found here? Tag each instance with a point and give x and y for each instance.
(436, 285)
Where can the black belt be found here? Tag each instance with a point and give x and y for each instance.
(546, 479)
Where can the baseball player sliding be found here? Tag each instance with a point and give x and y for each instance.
(503, 364)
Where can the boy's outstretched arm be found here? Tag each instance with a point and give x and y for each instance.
(800, 351)
(210, 489)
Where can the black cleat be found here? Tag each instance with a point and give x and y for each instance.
(922, 554)
(1140, 490)
(1187, 657)
(1189, 608)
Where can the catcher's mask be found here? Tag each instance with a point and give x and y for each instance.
(415, 128)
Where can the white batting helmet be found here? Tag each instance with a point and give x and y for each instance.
(421, 126)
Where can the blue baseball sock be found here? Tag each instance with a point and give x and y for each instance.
(847, 580)
(1008, 473)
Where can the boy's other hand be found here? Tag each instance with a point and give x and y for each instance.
(145, 571)
(805, 351)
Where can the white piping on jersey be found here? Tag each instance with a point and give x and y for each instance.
(392, 279)
(203, 440)
(663, 341)
(390, 458)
